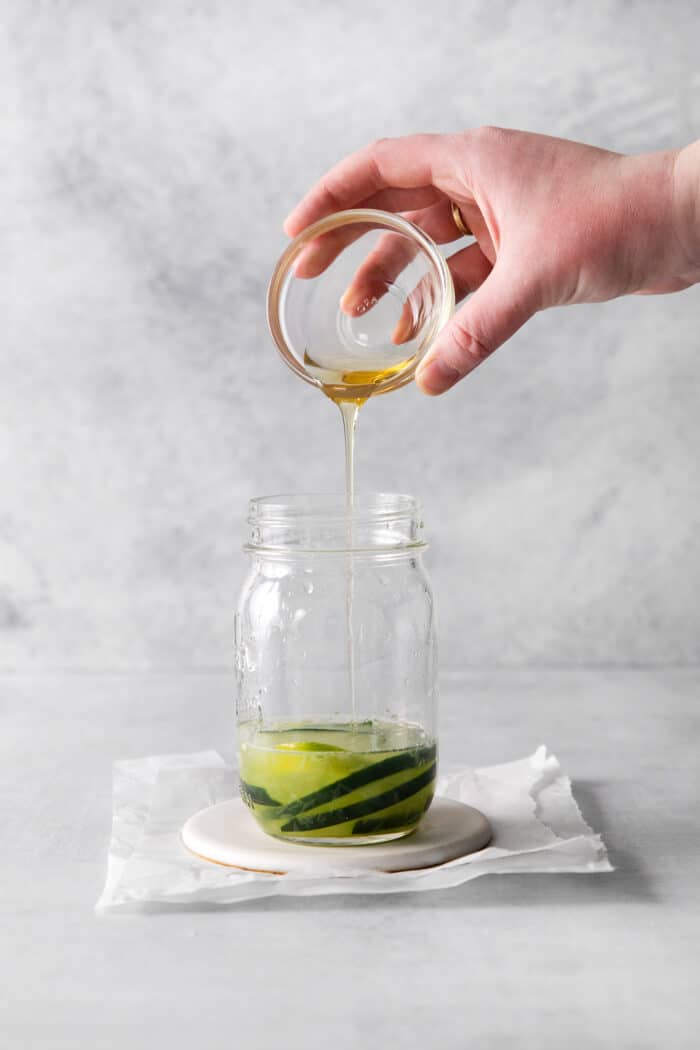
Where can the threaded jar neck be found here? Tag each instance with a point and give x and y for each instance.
(379, 523)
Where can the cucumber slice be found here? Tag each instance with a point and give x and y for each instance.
(360, 778)
(254, 795)
(314, 821)
(379, 825)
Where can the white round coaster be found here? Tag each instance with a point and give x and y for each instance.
(228, 834)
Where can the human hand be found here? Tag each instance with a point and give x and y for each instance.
(555, 222)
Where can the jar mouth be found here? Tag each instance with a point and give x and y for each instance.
(377, 521)
(369, 506)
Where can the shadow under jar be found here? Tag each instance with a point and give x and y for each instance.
(336, 669)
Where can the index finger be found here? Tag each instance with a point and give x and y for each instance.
(403, 163)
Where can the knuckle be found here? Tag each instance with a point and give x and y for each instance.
(487, 135)
(471, 351)
(373, 155)
(379, 145)
(329, 191)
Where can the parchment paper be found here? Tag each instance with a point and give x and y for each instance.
(537, 826)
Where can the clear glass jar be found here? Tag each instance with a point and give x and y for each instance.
(336, 669)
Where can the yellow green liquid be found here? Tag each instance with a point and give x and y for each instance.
(353, 784)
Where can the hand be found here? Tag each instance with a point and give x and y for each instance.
(555, 222)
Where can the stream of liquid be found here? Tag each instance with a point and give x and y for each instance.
(341, 388)
(349, 410)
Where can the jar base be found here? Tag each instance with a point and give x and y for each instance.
(345, 840)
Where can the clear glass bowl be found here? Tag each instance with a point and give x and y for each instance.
(356, 300)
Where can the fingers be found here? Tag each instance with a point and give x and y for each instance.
(390, 257)
(322, 251)
(403, 163)
(392, 254)
(436, 220)
(402, 200)
(469, 269)
(502, 304)
(378, 271)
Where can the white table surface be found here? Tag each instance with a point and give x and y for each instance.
(510, 961)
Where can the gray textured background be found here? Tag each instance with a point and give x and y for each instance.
(148, 154)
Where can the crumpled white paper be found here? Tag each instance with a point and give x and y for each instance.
(536, 823)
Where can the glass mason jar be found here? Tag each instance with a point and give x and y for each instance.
(336, 669)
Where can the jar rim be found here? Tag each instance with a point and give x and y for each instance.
(367, 507)
(320, 522)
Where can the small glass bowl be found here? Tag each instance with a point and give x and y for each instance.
(356, 300)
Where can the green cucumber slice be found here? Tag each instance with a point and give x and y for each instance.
(314, 821)
(377, 825)
(360, 778)
(254, 795)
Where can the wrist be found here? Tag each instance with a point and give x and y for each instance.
(685, 211)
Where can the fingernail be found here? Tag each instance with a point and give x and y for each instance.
(357, 300)
(348, 301)
(287, 227)
(435, 377)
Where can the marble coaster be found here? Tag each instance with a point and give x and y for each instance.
(228, 834)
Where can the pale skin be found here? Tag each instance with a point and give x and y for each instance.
(555, 222)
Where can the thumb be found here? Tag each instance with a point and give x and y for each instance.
(499, 307)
